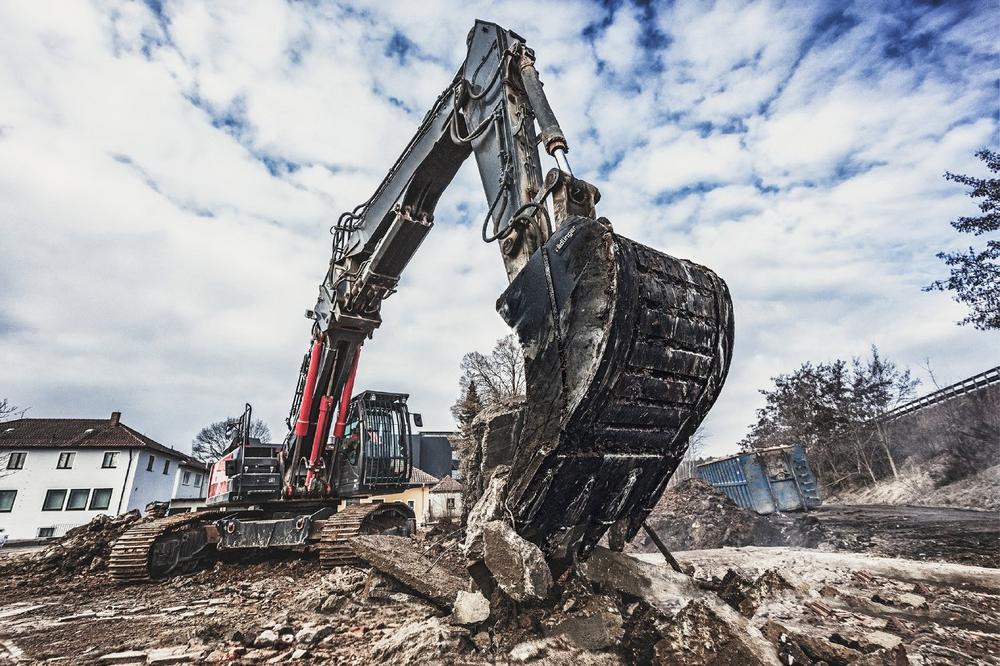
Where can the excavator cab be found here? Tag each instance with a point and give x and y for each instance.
(374, 453)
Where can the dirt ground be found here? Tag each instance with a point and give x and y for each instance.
(914, 532)
(874, 585)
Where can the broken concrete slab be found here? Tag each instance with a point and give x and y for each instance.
(398, 558)
(672, 594)
(470, 608)
(518, 565)
(660, 586)
(487, 508)
(702, 634)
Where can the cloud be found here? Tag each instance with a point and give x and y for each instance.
(169, 172)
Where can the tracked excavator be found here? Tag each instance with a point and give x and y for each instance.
(625, 350)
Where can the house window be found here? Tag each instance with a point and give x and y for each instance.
(65, 460)
(110, 460)
(46, 532)
(409, 503)
(166, 467)
(54, 500)
(101, 499)
(16, 460)
(186, 478)
(449, 503)
(149, 463)
(197, 480)
(78, 499)
(7, 500)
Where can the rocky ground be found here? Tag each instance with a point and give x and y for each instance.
(735, 605)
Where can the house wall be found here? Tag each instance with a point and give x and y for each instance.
(437, 506)
(415, 497)
(40, 475)
(195, 486)
(151, 486)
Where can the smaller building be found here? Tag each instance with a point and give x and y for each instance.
(416, 496)
(445, 501)
(56, 474)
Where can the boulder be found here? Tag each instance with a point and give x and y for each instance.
(470, 608)
(517, 565)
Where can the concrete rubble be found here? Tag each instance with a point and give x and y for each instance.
(415, 602)
(518, 566)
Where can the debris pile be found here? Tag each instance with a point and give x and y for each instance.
(695, 516)
(82, 549)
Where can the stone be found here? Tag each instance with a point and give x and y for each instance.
(470, 608)
(912, 600)
(518, 566)
(397, 557)
(880, 639)
(266, 638)
(482, 640)
(310, 635)
(594, 632)
(128, 657)
(885, 657)
(427, 641)
(299, 653)
(487, 508)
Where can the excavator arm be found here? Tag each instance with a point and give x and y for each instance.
(625, 348)
(490, 109)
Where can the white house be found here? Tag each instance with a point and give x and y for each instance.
(444, 501)
(56, 474)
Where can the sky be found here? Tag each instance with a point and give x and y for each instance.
(169, 172)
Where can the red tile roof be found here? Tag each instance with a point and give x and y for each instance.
(447, 485)
(419, 477)
(82, 434)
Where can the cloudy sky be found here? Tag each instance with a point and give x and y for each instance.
(169, 172)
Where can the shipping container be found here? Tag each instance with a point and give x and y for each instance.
(768, 480)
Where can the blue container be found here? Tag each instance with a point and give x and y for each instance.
(768, 480)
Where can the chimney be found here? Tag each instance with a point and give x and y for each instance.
(116, 418)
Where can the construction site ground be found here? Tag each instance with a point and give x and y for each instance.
(886, 585)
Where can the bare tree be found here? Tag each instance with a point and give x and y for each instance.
(10, 411)
(497, 376)
(213, 440)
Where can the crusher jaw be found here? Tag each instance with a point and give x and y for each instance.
(626, 349)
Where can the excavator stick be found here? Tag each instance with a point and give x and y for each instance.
(626, 349)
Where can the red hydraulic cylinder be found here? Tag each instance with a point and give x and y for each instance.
(319, 440)
(305, 409)
(345, 397)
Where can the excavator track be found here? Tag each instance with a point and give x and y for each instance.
(131, 555)
(626, 349)
(334, 541)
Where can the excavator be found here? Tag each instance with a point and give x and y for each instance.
(625, 351)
